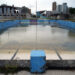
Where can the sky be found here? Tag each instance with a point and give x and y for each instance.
(41, 4)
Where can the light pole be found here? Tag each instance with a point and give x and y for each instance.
(36, 26)
(36, 9)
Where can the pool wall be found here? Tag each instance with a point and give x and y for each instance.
(57, 64)
(8, 24)
(61, 23)
(66, 24)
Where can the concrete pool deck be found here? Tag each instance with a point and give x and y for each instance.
(21, 58)
(25, 55)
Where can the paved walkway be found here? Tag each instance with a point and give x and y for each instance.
(25, 55)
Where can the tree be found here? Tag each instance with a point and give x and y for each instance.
(24, 10)
(72, 10)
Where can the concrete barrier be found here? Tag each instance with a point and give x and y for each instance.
(38, 61)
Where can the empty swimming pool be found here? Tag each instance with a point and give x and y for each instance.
(48, 38)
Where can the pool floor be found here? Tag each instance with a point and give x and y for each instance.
(50, 39)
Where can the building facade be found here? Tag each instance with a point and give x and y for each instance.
(59, 9)
(6, 10)
(9, 10)
(54, 5)
(62, 9)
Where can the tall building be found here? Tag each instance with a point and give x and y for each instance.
(54, 5)
(64, 8)
(59, 9)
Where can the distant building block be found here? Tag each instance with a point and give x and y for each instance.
(38, 61)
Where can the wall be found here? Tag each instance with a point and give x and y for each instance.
(13, 23)
(66, 24)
